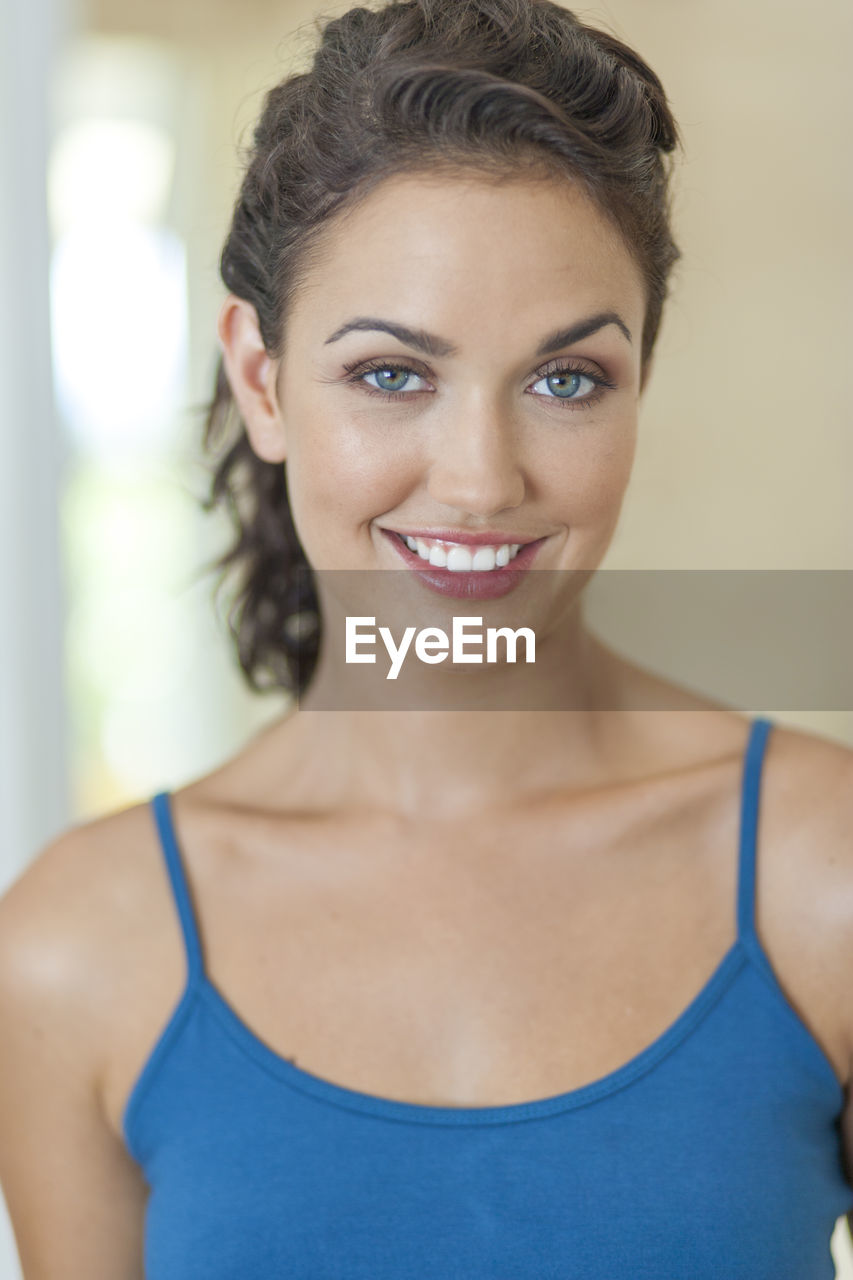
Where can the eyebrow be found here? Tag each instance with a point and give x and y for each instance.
(432, 345)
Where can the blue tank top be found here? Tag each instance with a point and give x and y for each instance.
(715, 1152)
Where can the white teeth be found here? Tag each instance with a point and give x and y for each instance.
(484, 558)
(459, 558)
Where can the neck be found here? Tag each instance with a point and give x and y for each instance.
(457, 760)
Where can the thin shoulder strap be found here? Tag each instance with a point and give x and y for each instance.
(180, 888)
(750, 794)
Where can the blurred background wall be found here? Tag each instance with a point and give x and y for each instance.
(119, 131)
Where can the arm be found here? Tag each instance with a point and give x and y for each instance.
(75, 1197)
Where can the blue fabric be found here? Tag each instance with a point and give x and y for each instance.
(715, 1152)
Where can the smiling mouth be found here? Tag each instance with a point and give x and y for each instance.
(460, 557)
(463, 583)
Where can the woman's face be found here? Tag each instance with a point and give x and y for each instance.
(487, 422)
(484, 436)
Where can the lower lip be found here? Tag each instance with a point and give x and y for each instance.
(476, 584)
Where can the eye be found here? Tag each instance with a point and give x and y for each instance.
(569, 384)
(392, 379)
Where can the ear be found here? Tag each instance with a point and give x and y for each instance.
(252, 377)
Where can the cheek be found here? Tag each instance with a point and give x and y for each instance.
(341, 471)
(589, 477)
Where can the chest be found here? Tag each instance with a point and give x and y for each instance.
(484, 966)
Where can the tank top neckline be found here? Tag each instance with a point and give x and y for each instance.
(745, 951)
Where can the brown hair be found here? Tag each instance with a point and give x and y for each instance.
(491, 85)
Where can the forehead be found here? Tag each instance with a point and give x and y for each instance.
(497, 247)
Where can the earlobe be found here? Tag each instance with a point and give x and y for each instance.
(252, 377)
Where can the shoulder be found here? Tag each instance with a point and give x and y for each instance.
(808, 790)
(806, 824)
(73, 924)
(75, 1197)
(805, 879)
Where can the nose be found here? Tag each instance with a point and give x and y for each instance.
(476, 465)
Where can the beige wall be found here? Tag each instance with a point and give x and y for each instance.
(746, 449)
(747, 430)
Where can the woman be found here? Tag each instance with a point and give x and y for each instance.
(443, 993)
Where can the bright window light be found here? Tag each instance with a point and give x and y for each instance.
(119, 318)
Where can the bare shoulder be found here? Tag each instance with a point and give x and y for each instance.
(808, 785)
(805, 880)
(71, 927)
(807, 816)
(73, 922)
(813, 784)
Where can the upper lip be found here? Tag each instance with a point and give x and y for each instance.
(487, 539)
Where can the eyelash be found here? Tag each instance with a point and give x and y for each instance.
(356, 373)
